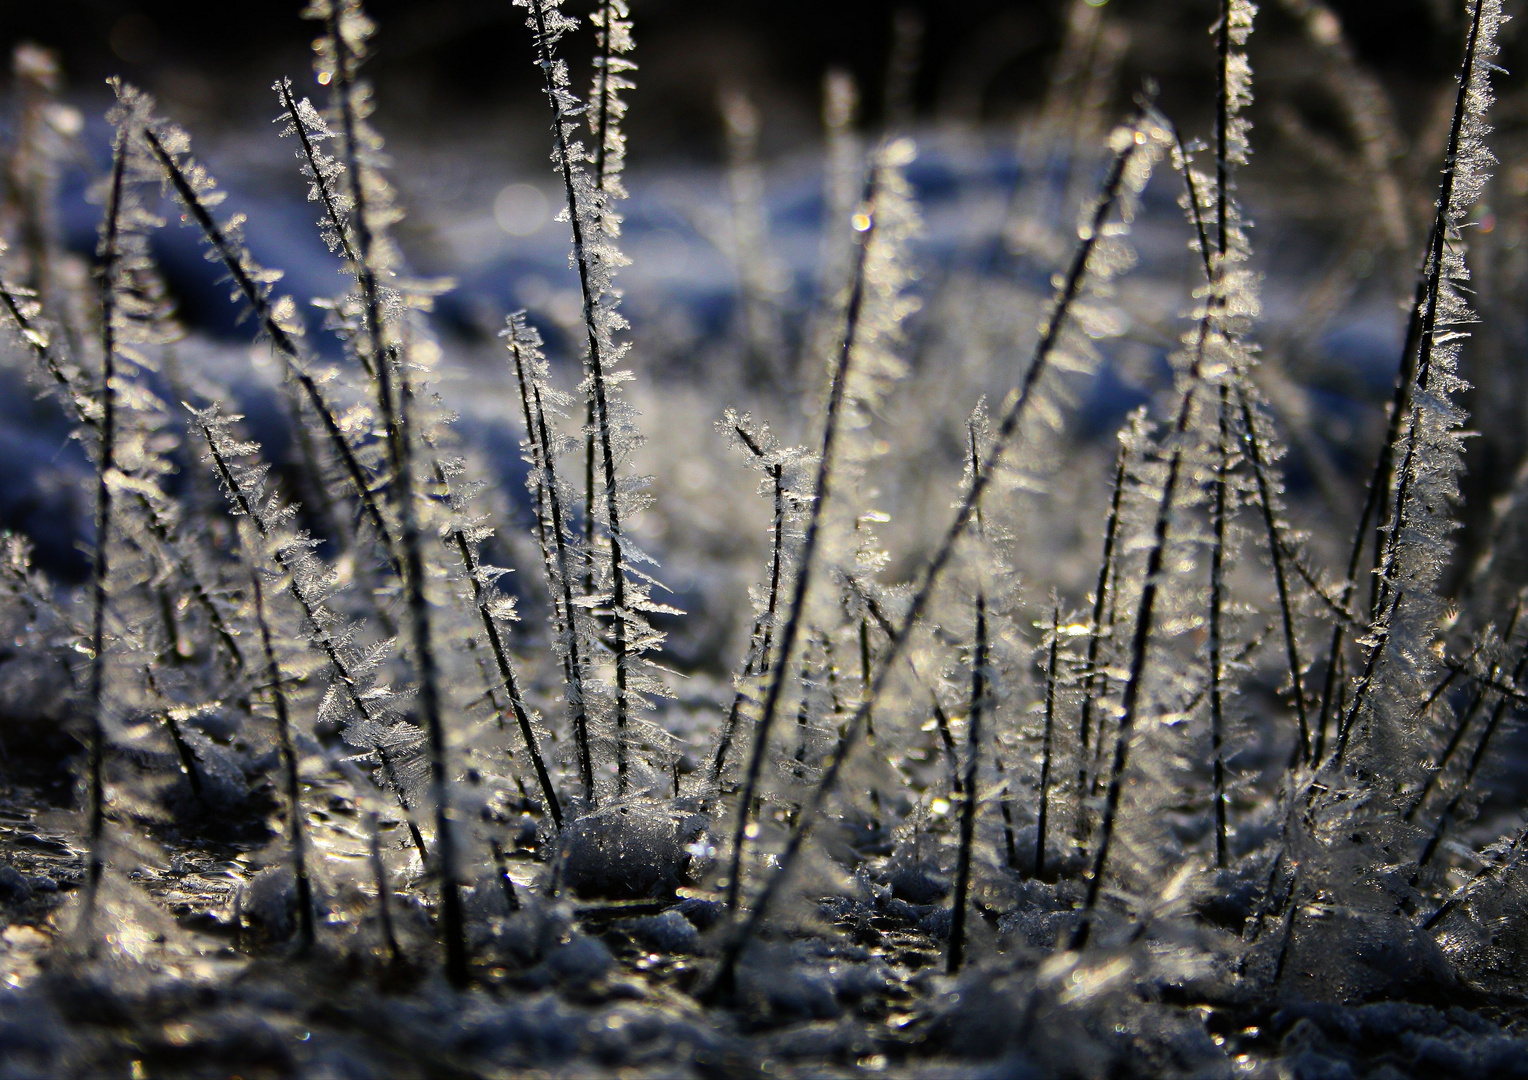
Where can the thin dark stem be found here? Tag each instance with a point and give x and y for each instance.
(1139, 646)
(1336, 674)
(362, 263)
(1090, 672)
(320, 183)
(1217, 603)
(1276, 554)
(453, 919)
(570, 643)
(1286, 939)
(1477, 758)
(178, 739)
(554, 553)
(296, 838)
(1145, 615)
(1455, 740)
(1477, 700)
(1276, 546)
(1366, 680)
(797, 608)
(384, 898)
(106, 465)
(865, 660)
(597, 380)
(1222, 128)
(947, 738)
(1095, 787)
(1493, 869)
(506, 883)
(1425, 316)
(326, 196)
(281, 340)
(759, 661)
(539, 465)
(959, 904)
(729, 724)
(507, 673)
(1047, 741)
(941, 718)
(601, 137)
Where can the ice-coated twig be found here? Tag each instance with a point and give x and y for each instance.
(555, 534)
(482, 600)
(1425, 421)
(296, 836)
(105, 466)
(796, 609)
(770, 459)
(958, 903)
(1091, 675)
(595, 258)
(252, 287)
(453, 917)
(1047, 739)
(1218, 514)
(384, 894)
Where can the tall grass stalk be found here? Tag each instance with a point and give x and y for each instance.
(296, 836)
(960, 900)
(560, 101)
(796, 609)
(553, 533)
(183, 751)
(105, 468)
(453, 918)
(501, 659)
(1092, 676)
(278, 328)
(1415, 356)
(759, 660)
(1047, 738)
(1218, 515)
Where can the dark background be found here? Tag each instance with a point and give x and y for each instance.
(449, 61)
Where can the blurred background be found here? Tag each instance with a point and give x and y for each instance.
(975, 61)
(732, 195)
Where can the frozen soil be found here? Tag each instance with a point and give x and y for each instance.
(193, 973)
